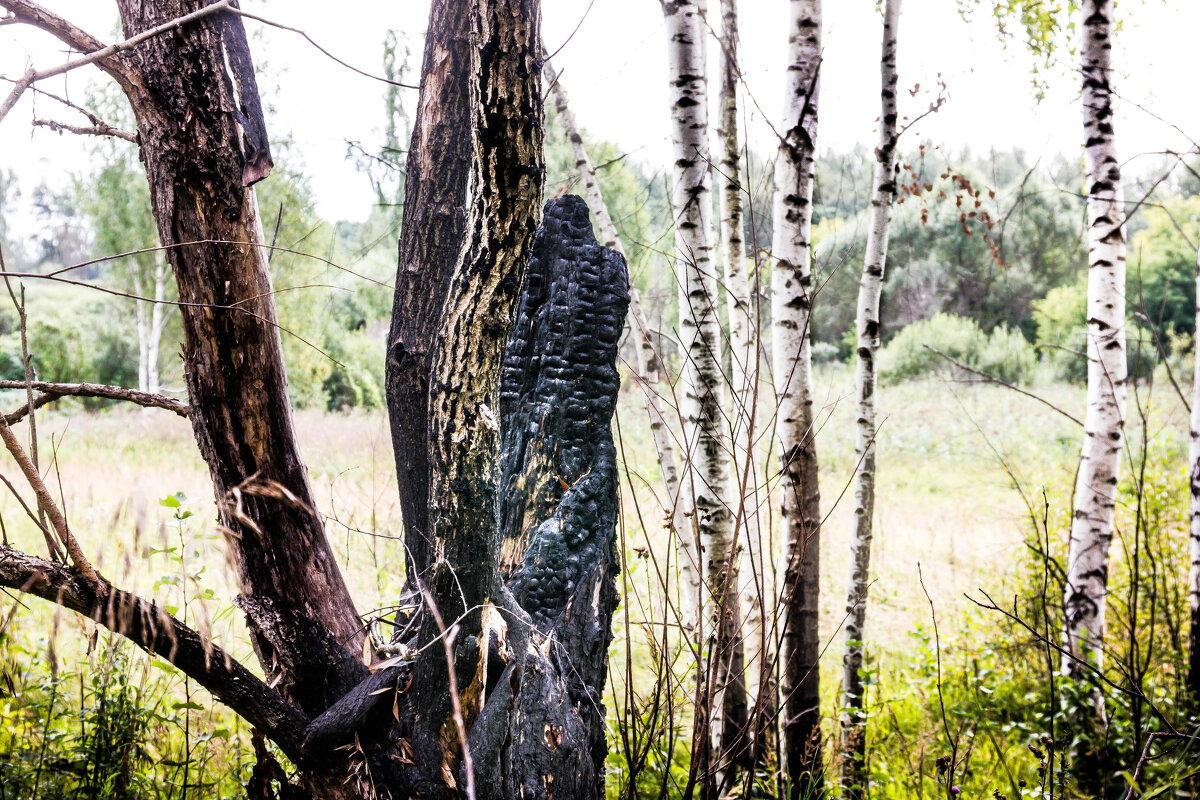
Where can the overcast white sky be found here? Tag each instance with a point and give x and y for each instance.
(614, 68)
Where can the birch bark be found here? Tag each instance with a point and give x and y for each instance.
(706, 476)
(1099, 462)
(854, 719)
(791, 306)
(743, 644)
(650, 372)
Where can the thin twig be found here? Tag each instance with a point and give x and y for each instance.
(995, 380)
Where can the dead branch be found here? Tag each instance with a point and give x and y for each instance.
(46, 503)
(998, 382)
(97, 129)
(95, 52)
(154, 630)
(54, 391)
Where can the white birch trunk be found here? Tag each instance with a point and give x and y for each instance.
(649, 371)
(1193, 680)
(854, 720)
(755, 570)
(706, 477)
(791, 306)
(143, 332)
(1099, 463)
(158, 321)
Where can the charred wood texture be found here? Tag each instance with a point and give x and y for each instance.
(559, 512)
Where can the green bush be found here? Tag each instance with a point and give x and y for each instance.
(1061, 317)
(825, 352)
(1005, 354)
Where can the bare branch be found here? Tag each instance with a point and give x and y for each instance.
(30, 13)
(997, 381)
(93, 55)
(53, 391)
(46, 503)
(154, 630)
(97, 129)
(325, 52)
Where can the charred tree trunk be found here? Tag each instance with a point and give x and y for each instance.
(791, 309)
(650, 369)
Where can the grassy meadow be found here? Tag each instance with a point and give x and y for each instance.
(957, 461)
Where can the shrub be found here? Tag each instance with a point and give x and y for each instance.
(825, 352)
(1061, 317)
(1005, 354)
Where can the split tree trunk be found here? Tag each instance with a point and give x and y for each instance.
(791, 308)
(1099, 463)
(650, 370)
(530, 603)
(706, 479)
(854, 721)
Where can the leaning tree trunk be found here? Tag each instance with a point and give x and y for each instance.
(1099, 463)
(854, 720)
(203, 141)
(1193, 675)
(791, 307)
(650, 369)
(706, 480)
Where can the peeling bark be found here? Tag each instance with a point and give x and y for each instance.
(1099, 462)
(854, 720)
(791, 308)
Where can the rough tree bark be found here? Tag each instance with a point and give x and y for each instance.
(650, 369)
(527, 609)
(437, 174)
(791, 306)
(706, 478)
(854, 719)
(203, 142)
(1099, 463)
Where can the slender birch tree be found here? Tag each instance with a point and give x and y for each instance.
(651, 372)
(854, 719)
(791, 306)
(1193, 677)
(755, 564)
(706, 477)
(1099, 462)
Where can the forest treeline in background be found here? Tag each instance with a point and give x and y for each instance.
(920, 320)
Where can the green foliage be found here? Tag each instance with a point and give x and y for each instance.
(933, 263)
(1004, 354)
(1061, 320)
